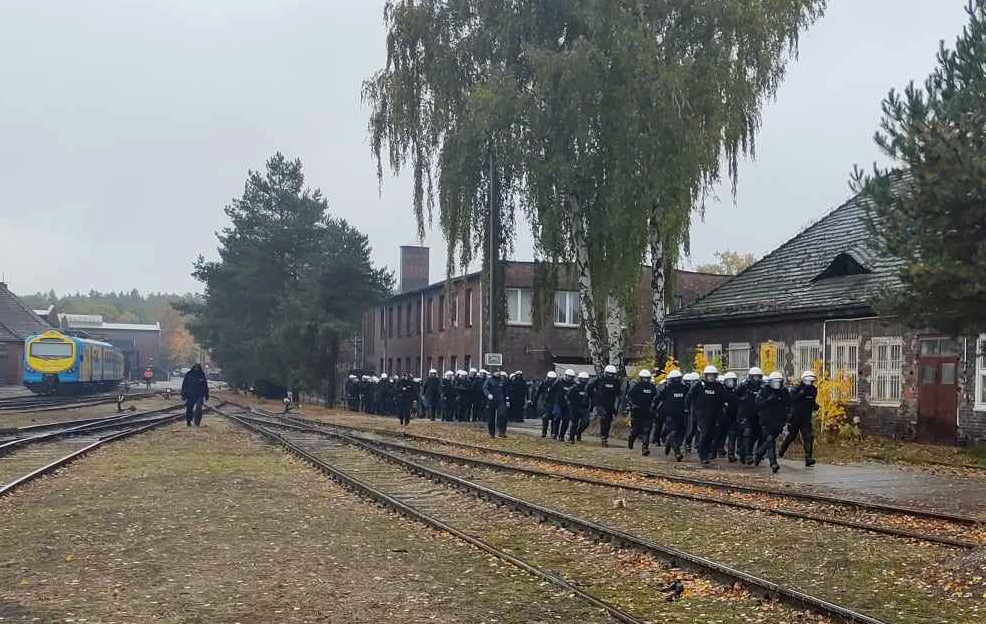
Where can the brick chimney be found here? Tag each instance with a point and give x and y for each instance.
(414, 268)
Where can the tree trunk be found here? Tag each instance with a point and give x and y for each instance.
(616, 331)
(659, 334)
(587, 307)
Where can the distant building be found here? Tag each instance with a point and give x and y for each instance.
(17, 323)
(428, 326)
(810, 299)
(49, 314)
(140, 343)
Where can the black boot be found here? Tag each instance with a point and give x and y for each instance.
(809, 453)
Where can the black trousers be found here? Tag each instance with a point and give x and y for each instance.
(674, 427)
(640, 426)
(496, 422)
(545, 422)
(580, 422)
(430, 408)
(193, 411)
(557, 413)
(657, 431)
(462, 405)
(706, 435)
(605, 422)
(768, 444)
(448, 409)
(691, 431)
(750, 441)
(404, 410)
(800, 425)
(724, 434)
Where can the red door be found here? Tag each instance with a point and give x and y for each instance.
(937, 390)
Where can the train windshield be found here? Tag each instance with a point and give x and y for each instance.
(51, 350)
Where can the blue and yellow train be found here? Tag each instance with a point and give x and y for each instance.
(58, 364)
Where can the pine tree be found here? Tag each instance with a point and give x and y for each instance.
(930, 210)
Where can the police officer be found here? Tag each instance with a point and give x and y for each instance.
(385, 395)
(493, 392)
(804, 401)
(432, 394)
(640, 398)
(577, 399)
(727, 432)
(463, 396)
(352, 393)
(404, 393)
(774, 407)
(747, 419)
(364, 394)
(669, 405)
(690, 379)
(706, 399)
(448, 397)
(604, 396)
(564, 413)
(477, 379)
(542, 402)
(517, 397)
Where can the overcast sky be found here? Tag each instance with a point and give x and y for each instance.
(126, 126)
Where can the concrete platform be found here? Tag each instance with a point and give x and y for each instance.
(914, 487)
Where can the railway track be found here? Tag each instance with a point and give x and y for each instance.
(731, 488)
(47, 403)
(29, 457)
(411, 490)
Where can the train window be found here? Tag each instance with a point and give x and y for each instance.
(51, 350)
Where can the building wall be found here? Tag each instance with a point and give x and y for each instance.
(901, 421)
(11, 363)
(533, 348)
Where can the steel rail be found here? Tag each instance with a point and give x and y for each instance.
(722, 485)
(789, 595)
(59, 463)
(862, 526)
(55, 407)
(408, 511)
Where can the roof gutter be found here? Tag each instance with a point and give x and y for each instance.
(832, 314)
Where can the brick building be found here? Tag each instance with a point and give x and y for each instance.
(17, 323)
(431, 326)
(810, 299)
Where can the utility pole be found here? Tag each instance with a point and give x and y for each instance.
(494, 251)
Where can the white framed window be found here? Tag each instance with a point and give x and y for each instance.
(806, 354)
(713, 353)
(566, 308)
(845, 360)
(887, 383)
(981, 374)
(519, 306)
(739, 358)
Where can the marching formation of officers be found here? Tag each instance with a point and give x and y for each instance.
(715, 414)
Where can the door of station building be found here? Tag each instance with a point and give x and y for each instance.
(938, 366)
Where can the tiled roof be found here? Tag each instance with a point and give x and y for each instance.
(17, 321)
(784, 282)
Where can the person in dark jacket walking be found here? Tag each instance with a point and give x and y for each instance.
(405, 392)
(604, 396)
(542, 403)
(747, 419)
(804, 402)
(691, 429)
(463, 396)
(493, 392)
(352, 393)
(774, 407)
(640, 398)
(564, 414)
(194, 391)
(706, 399)
(577, 399)
(432, 393)
(669, 405)
(448, 397)
(727, 433)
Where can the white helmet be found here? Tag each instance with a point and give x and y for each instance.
(473, 371)
(570, 373)
(675, 374)
(644, 374)
(583, 375)
(710, 370)
(352, 376)
(449, 374)
(729, 375)
(519, 373)
(375, 379)
(776, 380)
(776, 375)
(365, 378)
(730, 380)
(721, 378)
(552, 375)
(417, 380)
(502, 374)
(383, 376)
(433, 372)
(611, 369)
(809, 377)
(755, 371)
(692, 376)
(483, 371)
(461, 373)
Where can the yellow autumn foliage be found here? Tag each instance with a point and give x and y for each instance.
(834, 395)
(768, 357)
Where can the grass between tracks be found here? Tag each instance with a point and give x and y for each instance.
(200, 525)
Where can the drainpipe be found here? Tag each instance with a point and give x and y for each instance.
(421, 333)
(481, 321)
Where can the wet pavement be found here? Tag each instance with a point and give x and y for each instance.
(923, 487)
